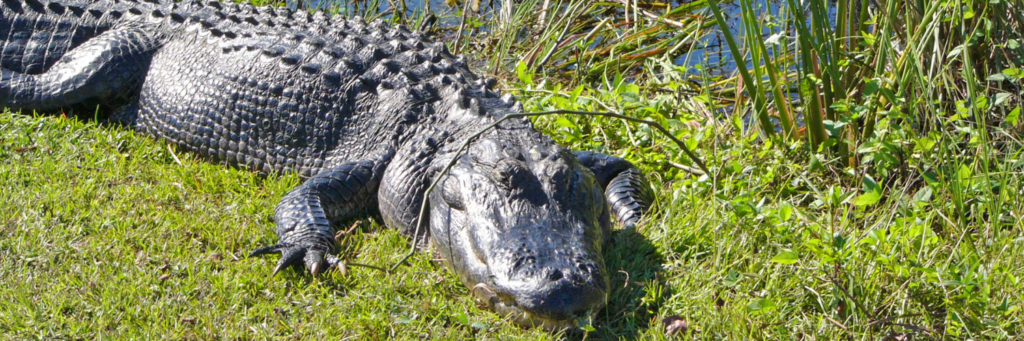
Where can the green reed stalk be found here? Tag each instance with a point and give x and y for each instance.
(760, 107)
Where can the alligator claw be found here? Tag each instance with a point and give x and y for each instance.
(316, 259)
(267, 250)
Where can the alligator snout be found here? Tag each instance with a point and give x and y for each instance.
(554, 301)
(562, 296)
(550, 283)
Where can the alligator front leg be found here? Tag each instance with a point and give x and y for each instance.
(307, 216)
(624, 185)
(106, 68)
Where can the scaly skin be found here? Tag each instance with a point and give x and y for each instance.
(366, 113)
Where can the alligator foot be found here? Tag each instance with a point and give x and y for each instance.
(625, 187)
(316, 258)
(307, 215)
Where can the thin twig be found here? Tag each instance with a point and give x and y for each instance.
(650, 15)
(837, 323)
(455, 158)
(543, 13)
(462, 26)
(175, 157)
(686, 168)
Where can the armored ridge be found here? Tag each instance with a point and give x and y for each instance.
(367, 113)
(305, 78)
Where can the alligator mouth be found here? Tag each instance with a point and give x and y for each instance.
(508, 308)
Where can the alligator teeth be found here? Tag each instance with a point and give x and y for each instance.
(485, 295)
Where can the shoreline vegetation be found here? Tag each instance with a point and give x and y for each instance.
(864, 182)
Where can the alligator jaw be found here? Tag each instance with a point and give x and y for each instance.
(509, 309)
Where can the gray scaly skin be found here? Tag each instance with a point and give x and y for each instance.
(368, 114)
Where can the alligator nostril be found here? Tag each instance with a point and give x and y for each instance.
(584, 267)
(555, 275)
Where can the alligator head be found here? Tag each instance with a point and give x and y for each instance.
(523, 223)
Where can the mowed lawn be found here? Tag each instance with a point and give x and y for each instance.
(108, 234)
(890, 212)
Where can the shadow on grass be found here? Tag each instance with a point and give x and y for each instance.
(637, 288)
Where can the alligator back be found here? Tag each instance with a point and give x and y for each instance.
(302, 98)
(34, 35)
(262, 88)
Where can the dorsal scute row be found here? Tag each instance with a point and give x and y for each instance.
(337, 49)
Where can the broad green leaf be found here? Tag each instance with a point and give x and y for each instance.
(867, 199)
(923, 195)
(1014, 117)
(870, 185)
(955, 51)
(964, 173)
(815, 163)
(999, 77)
(924, 144)
(871, 87)
(786, 257)
(524, 75)
(563, 122)
(575, 95)
(999, 98)
(761, 304)
(786, 212)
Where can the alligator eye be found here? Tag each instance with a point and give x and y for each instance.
(451, 194)
(507, 173)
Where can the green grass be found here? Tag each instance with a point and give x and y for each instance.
(105, 235)
(894, 212)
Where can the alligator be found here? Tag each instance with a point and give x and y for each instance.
(368, 114)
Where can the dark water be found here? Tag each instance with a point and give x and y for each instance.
(713, 52)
